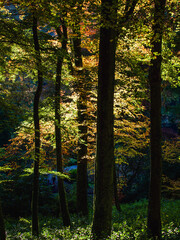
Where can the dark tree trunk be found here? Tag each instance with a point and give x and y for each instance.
(35, 222)
(105, 138)
(82, 182)
(2, 226)
(154, 208)
(61, 189)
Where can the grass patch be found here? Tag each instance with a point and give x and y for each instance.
(130, 223)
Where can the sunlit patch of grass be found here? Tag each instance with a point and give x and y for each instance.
(130, 223)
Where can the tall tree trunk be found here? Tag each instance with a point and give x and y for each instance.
(82, 181)
(105, 138)
(154, 208)
(2, 226)
(61, 188)
(35, 222)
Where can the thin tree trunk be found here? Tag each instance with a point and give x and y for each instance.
(154, 208)
(2, 226)
(35, 194)
(61, 189)
(101, 228)
(82, 181)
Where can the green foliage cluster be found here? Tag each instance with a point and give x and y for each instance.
(130, 223)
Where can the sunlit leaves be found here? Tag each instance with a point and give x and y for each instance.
(22, 145)
(29, 171)
(171, 150)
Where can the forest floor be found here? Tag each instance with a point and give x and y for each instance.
(130, 223)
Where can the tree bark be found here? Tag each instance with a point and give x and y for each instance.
(82, 180)
(104, 165)
(61, 188)
(2, 226)
(154, 208)
(35, 194)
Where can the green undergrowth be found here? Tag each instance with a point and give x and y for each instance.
(130, 223)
